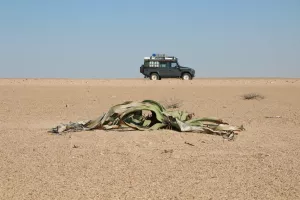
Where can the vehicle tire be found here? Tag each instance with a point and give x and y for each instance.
(186, 76)
(154, 76)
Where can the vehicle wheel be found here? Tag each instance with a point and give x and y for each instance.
(186, 76)
(154, 76)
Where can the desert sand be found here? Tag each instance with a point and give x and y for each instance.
(263, 162)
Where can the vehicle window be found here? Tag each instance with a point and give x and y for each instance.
(153, 64)
(146, 63)
(173, 64)
(163, 64)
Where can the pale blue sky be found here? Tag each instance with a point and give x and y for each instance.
(108, 39)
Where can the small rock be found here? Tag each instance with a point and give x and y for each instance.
(168, 151)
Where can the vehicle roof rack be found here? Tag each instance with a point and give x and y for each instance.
(160, 57)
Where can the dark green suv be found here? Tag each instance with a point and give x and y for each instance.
(160, 66)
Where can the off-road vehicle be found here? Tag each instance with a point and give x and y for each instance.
(160, 66)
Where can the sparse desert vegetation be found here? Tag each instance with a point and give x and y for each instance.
(252, 96)
(261, 163)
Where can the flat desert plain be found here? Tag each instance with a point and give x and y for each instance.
(263, 162)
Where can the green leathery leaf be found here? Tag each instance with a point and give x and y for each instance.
(147, 123)
(211, 119)
(205, 120)
(183, 127)
(225, 127)
(118, 109)
(154, 103)
(194, 122)
(148, 105)
(134, 120)
(181, 115)
(157, 126)
(160, 117)
(129, 115)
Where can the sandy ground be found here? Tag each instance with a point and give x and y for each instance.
(262, 163)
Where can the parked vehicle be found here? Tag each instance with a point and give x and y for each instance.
(160, 66)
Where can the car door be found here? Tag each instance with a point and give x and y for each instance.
(163, 69)
(174, 71)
